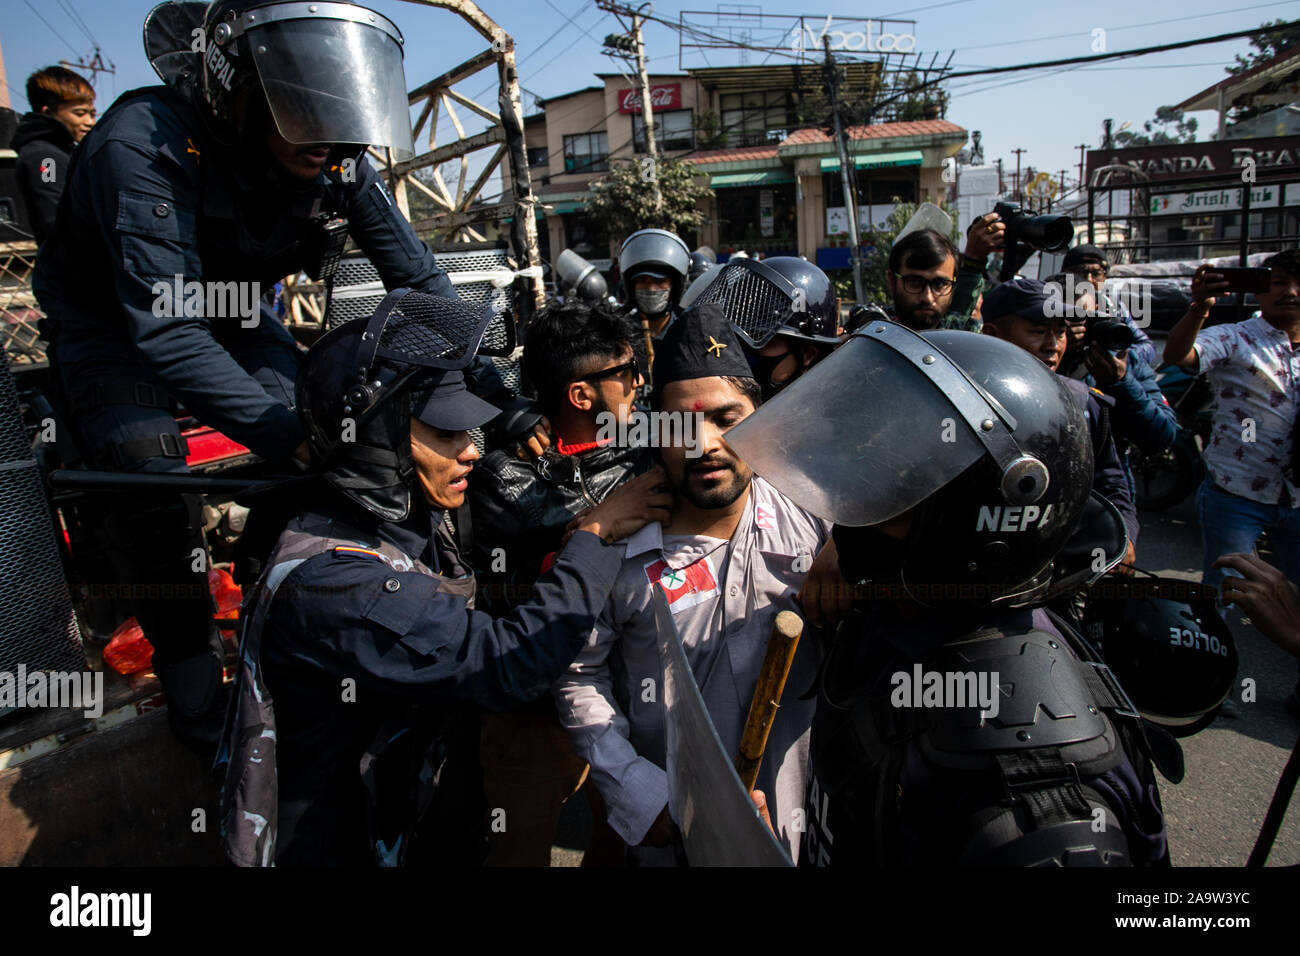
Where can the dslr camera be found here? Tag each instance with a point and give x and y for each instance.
(1044, 233)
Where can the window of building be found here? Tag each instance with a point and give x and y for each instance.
(536, 155)
(874, 187)
(748, 118)
(674, 129)
(586, 153)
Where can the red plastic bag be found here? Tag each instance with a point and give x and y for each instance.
(128, 650)
(227, 595)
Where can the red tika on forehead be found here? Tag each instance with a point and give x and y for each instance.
(697, 407)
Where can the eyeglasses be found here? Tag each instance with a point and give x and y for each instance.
(628, 366)
(1091, 271)
(917, 284)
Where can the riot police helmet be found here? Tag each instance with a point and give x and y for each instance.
(783, 295)
(364, 380)
(700, 263)
(658, 253)
(974, 440)
(329, 72)
(1167, 644)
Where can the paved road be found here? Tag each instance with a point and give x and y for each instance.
(1233, 765)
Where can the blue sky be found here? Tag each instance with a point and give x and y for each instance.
(1047, 115)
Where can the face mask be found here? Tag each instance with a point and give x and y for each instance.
(764, 367)
(867, 554)
(652, 302)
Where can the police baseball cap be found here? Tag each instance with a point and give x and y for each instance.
(443, 400)
(1026, 298)
(1084, 254)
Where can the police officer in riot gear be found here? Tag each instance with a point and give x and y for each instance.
(653, 265)
(362, 631)
(957, 469)
(783, 309)
(185, 204)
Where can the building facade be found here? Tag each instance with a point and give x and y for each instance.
(775, 177)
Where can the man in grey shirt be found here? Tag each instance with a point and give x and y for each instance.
(734, 555)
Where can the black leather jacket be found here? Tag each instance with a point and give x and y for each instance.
(520, 510)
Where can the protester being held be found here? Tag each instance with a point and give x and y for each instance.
(580, 361)
(1087, 263)
(1141, 416)
(733, 554)
(934, 286)
(362, 634)
(63, 111)
(1021, 312)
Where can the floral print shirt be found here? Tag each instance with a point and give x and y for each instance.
(1255, 373)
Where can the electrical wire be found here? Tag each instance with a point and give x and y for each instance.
(1128, 26)
(52, 30)
(76, 21)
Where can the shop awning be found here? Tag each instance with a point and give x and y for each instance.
(904, 157)
(761, 177)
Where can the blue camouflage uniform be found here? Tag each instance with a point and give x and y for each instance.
(152, 199)
(359, 637)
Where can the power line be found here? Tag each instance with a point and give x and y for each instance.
(76, 21)
(52, 30)
(1129, 26)
(1097, 58)
(933, 6)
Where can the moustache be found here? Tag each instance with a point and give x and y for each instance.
(712, 464)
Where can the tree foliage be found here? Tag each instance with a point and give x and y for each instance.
(1267, 46)
(1168, 126)
(623, 201)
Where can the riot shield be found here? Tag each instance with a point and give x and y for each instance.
(718, 821)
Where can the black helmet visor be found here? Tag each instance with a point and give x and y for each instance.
(332, 73)
(877, 427)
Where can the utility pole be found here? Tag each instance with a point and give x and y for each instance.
(4, 86)
(643, 80)
(1020, 193)
(1001, 188)
(95, 66)
(1061, 192)
(1082, 148)
(850, 195)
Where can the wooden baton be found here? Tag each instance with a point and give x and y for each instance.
(781, 645)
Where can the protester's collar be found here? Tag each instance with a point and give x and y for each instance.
(577, 449)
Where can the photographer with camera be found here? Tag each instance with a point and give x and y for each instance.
(1254, 368)
(928, 289)
(1089, 264)
(1101, 351)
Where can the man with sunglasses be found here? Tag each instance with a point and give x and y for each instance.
(580, 359)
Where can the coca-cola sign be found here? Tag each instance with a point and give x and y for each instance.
(666, 97)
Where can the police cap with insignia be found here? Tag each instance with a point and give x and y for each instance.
(700, 344)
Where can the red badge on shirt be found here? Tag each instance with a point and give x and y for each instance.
(684, 587)
(764, 519)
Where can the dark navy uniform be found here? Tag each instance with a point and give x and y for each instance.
(364, 635)
(153, 201)
(151, 196)
(881, 791)
(1109, 478)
